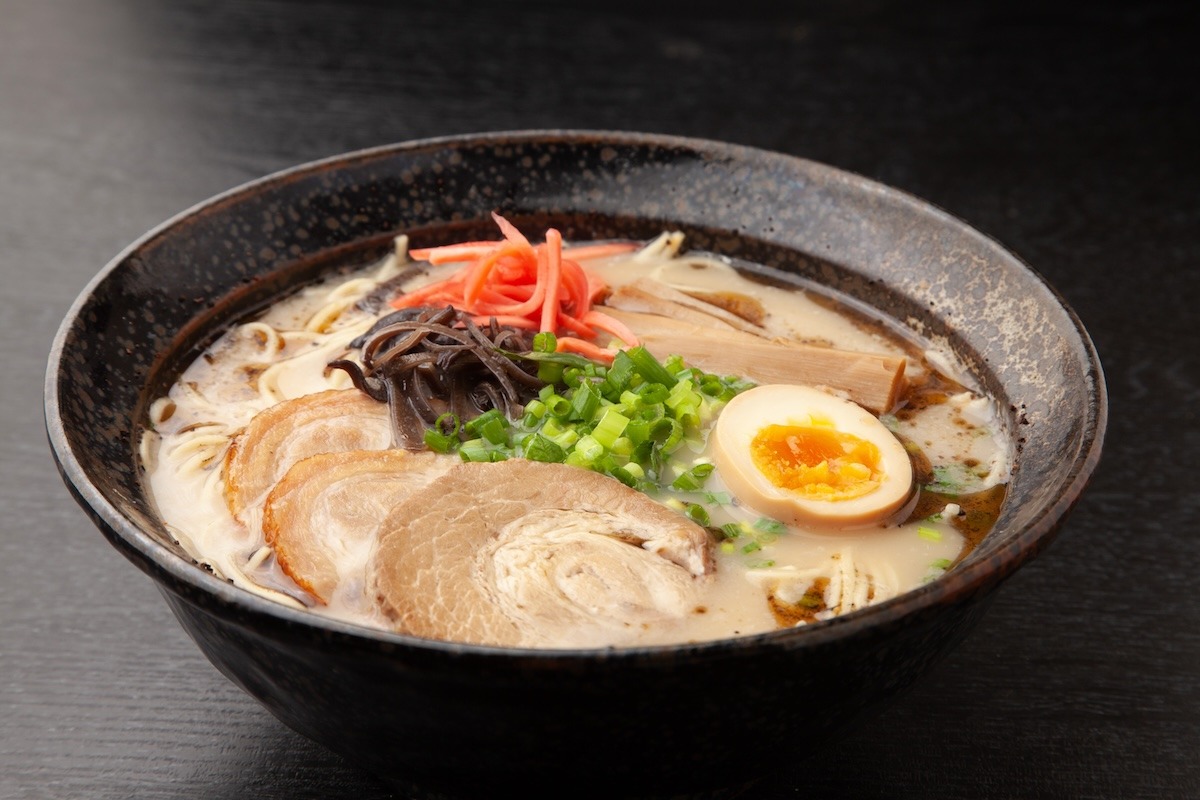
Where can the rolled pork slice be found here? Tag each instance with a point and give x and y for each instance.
(526, 554)
(321, 518)
(332, 421)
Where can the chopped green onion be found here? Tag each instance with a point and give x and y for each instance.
(448, 424)
(644, 452)
(682, 393)
(765, 538)
(439, 442)
(539, 448)
(693, 479)
(443, 437)
(588, 448)
(667, 433)
(572, 377)
(555, 431)
(585, 403)
(649, 367)
(624, 420)
(752, 547)
(624, 476)
(536, 409)
(929, 534)
(631, 400)
(941, 563)
(652, 412)
(479, 450)
(474, 427)
(495, 431)
(688, 416)
(558, 405)
(945, 480)
(768, 525)
(697, 513)
(621, 446)
(732, 530)
(619, 374)
(653, 394)
(575, 459)
(611, 425)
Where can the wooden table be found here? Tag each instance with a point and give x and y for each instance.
(1069, 137)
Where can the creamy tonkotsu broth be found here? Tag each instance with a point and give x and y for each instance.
(765, 572)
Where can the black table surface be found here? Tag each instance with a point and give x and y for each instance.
(1068, 134)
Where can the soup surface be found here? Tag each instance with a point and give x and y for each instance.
(283, 476)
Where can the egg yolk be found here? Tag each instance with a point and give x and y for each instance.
(817, 463)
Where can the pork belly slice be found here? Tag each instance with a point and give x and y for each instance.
(526, 554)
(326, 422)
(321, 518)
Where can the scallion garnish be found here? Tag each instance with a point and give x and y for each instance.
(480, 450)
(646, 365)
(697, 514)
(937, 568)
(732, 530)
(945, 480)
(539, 448)
(495, 431)
(619, 374)
(692, 480)
(768, 525)
(929, 534)
(439, 442)
(610, 426)
(585, 403)
(625, 420)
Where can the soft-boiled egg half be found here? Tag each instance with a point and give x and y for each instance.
(803, 456)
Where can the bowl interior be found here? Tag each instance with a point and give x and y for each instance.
(145, 315)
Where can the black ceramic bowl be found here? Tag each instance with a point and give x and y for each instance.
(436, 717)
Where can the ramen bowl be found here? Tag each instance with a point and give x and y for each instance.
(444, 719)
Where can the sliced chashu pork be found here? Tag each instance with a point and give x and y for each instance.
(322, 516)
(526, 554)
(326, 422)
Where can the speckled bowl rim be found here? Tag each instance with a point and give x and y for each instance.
(965, 580)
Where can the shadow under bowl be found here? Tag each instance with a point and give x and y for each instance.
(442, 718)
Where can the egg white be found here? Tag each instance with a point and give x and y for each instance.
(783, 404)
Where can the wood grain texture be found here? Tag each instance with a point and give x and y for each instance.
(1068, 136)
